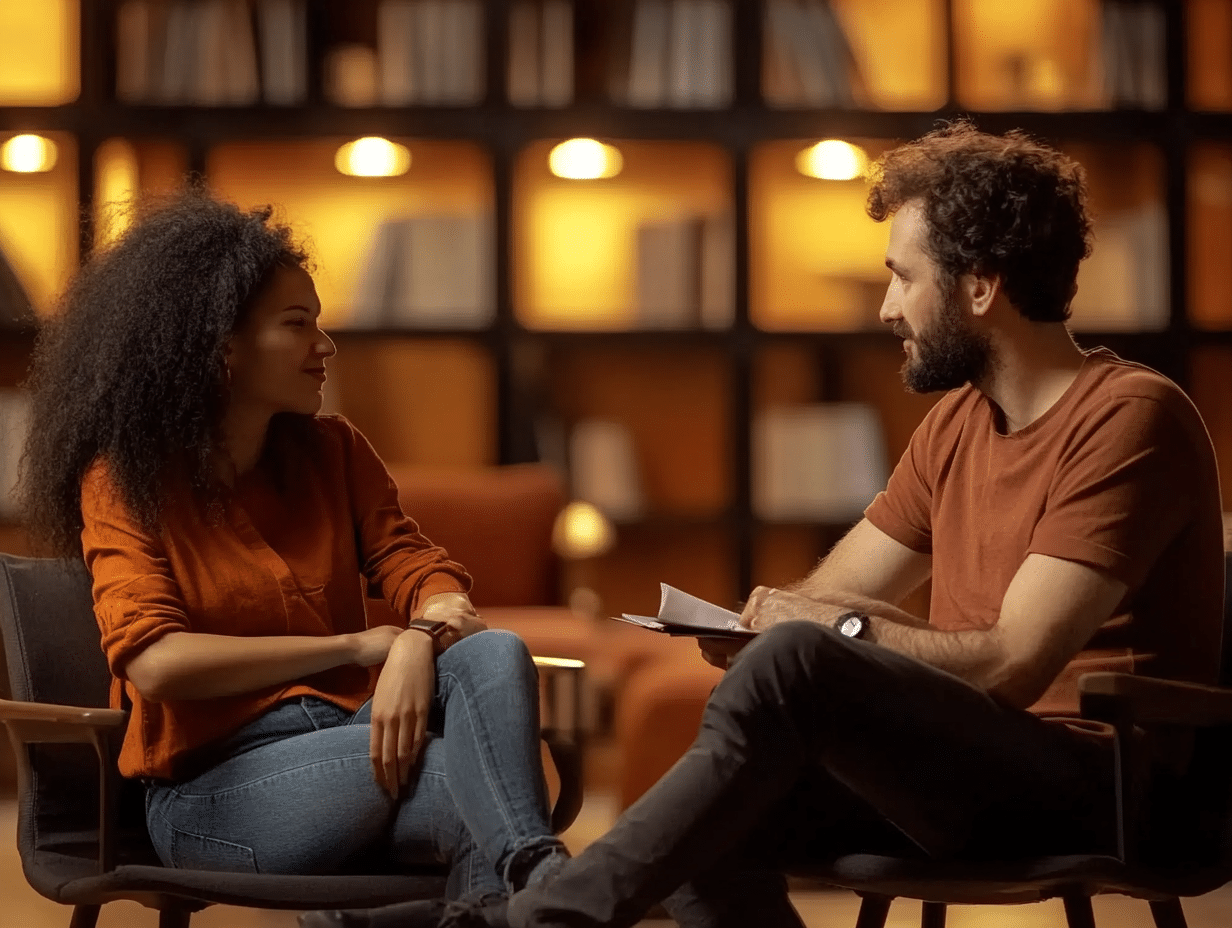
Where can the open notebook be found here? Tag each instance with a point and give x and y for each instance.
(682, 614)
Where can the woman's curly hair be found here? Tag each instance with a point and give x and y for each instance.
(131, 366)
(1004, 205)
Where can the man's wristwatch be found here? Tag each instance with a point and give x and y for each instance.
(852, 624)
(432, 628)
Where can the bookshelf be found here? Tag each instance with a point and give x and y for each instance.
(567, 340)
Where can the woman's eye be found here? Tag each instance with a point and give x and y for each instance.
(298, 322)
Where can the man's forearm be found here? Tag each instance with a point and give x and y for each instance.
(975, 656)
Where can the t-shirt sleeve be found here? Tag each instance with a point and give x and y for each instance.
(136, 598)
(393, 554)
(1122, 489)
(904, 509)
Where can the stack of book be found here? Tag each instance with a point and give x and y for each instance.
(430, 52)
(14, 429)
(685, 273)
(205, 52)
(427, 272)
(680, 56)
(541, 53)
(807, 60)
(1123, 286)
(817, 463)
(1132, 54)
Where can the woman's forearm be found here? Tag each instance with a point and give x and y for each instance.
(191, 665)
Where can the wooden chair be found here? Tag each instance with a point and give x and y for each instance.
(81, 827)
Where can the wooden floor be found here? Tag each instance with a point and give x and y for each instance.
(21, 907)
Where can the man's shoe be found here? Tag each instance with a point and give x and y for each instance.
(422, 913)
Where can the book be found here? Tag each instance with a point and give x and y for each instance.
(522, 77)
(819, 463)
(282, 31)
(395, 64)
(556, 53)
(683, 614)
(685, 273)
(647, 85)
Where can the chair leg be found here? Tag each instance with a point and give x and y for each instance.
(1078, 912)
(1168, 914)
(932, 915)
(84, 916)
(174, 918)
(874, 910)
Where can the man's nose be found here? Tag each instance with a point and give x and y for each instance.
(889, 307)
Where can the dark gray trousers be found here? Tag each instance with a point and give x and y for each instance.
(812, 746)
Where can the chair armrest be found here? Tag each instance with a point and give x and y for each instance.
(560, 684)
(41, 723)
(1150, 700)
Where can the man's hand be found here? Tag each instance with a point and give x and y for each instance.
(719, 652)
(768, 607)
(456, 611)
(400, 707)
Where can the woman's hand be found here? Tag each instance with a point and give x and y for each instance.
(400, 708)
(372, 645)
(456, 611)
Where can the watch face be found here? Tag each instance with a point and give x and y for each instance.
(852, 626)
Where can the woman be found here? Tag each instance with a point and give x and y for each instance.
(230, 531)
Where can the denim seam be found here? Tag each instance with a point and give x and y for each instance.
(273, 776)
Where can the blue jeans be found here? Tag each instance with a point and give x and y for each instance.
(293, 791)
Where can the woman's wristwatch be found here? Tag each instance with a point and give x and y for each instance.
(433, 628)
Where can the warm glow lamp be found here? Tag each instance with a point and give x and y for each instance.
(833, 160)
(582, 531)
(373, 156)
(584, 159)
(28, 154)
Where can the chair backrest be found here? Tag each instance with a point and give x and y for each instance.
(495, 521)
(51, 645)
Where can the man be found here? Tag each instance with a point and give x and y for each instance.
(1058, 500)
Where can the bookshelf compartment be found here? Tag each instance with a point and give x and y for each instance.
(1040, 55)
(850, 53)
(1209, 46)
(430, 403)
(1210, 235)
(576, 242)
(664, 409)
(39, 58)
(816, 261)
(38, 222)
(1123, 286)
(358, 228)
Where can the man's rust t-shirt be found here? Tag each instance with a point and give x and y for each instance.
(1119, 475)
(291, 555)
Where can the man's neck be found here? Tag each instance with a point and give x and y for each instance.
(1033, 364)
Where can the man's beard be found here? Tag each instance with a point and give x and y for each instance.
(951, 353)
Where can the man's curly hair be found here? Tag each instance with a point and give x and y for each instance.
(131, 366)
(1004, 205)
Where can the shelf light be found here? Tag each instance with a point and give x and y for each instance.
(585, 159)
(373, 156)
(28, 154)
(833, 160)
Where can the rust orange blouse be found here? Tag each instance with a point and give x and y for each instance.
(289, 556)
